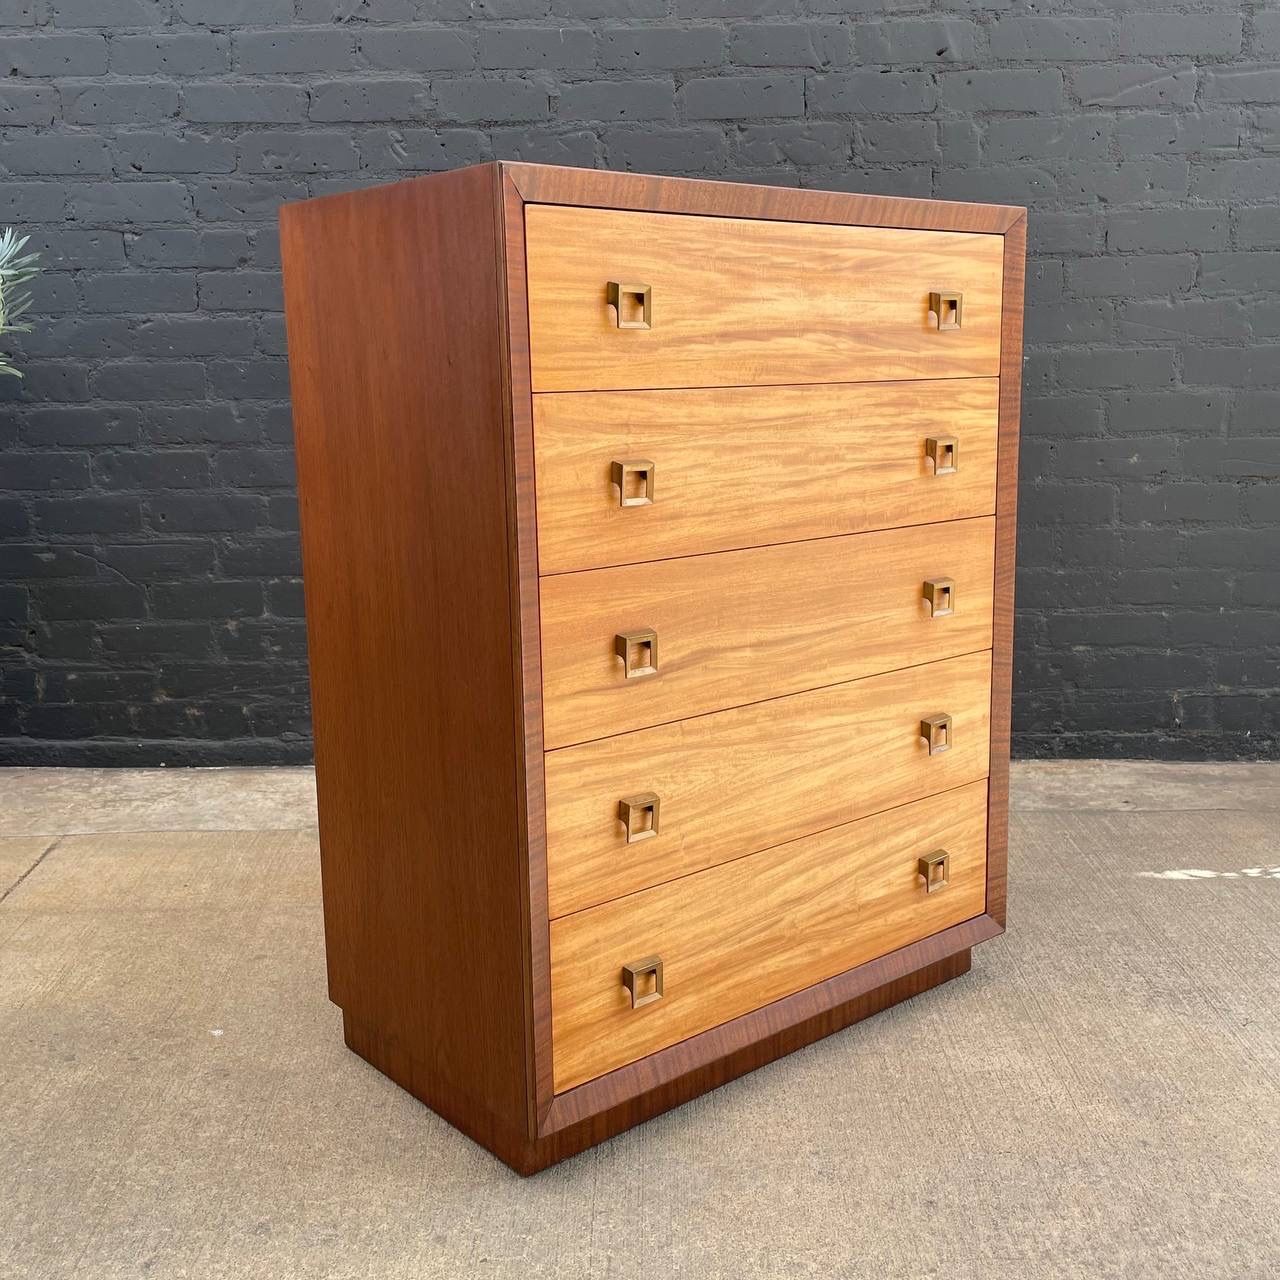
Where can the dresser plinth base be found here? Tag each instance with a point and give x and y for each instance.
(527, 1157)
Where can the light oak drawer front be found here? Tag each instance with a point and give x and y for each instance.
(740, 302)
(741, 935)
(742, 780)
(718, 468)
(739, 626)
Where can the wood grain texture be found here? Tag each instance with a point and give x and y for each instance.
(402, 480)
(748, 932)
(748, 466)
(600, 189)
(745, 779)
(740, 626)
(1015, 252)
(743, 302)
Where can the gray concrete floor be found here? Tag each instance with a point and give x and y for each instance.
(1100, 1097)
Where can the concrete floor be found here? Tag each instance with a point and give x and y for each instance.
(1099, 1098)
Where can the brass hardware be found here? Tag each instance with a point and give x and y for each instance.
(944, 453)
(934, 867)
(945, 308)
(634, 480)
(634, 978)
(936, 731)
(632, 305)
(940, 593)
(638, 651)
(639, 814)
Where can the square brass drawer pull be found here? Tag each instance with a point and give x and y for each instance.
(632, 305)
(638, 651)
(945, 307)
(643, 981)
(933, 867)
(944, 453)
(940, 594)
(639, 814)
(936, 731)
(634, 480)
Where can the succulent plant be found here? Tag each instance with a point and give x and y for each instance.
(16, 269)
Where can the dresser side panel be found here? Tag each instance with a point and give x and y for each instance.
(1015, 252)
(396, 353)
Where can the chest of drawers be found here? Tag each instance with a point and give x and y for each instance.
(658, 556)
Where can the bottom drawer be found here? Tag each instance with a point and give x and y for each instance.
(740, 935)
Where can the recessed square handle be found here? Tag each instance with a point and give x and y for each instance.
(632, 305)
(946, 309)
(638, 651)
(934, 868)
(639, 816)
(944, 453)
(643, 981)
(940, 596)
(936, 731)
(633, 478)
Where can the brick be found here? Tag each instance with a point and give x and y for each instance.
(139, 291)
(369, 100)
(28, 104)
(913, 41)
(77, 426)
(1184, 317)
(1151, 132)
(872, 93)
(1255, 458)
(90, 515)
(796, 142)
(1048, 138)
(158, 469)
(171, 153)
(187, 54)
(661, 48)
(181, 248)
(205, 513)
(49, 54)
(807, 44)
(131, 202)
(44, 561)
(91, 600)
(228, 13)
(292, 50)
(233, 200)
(211, 599)
(1258, 228)
(177, 337)
(417, 49)
(687, 150)
(230, 102)
(150, 380)
(1256, 179)
(27, 202)
(120, 103)
(1134, 85)
(430, 149)
(1071, 504)
(1255, 366)
(1140, 367)
(1168, 229)
(265, 379)
(520, 48)
(1242, 84)
(1199, 34)
(44, 471)
(1242, 272)
(499, 99)
(617, 100)
(735, 97)
(241, 291)
(43, 154)
(160, 639)
(297, 151)
(1025, 89)
(1053, 40)
(106, 13)
(1132, 275)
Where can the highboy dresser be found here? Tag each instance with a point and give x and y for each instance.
(658, 552)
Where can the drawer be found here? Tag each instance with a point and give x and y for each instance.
(746, 779)
(727, 467)
(742, 302)
(738, 936)
(739, 626)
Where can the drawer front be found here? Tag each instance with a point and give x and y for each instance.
(746, 779)
(740, 302)
(717, 468)
(740, 626)
(741, 935)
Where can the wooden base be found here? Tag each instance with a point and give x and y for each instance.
(527, 1157)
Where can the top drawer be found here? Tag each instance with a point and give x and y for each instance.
(741, 302)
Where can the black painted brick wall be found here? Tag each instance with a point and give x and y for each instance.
(149, 566)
